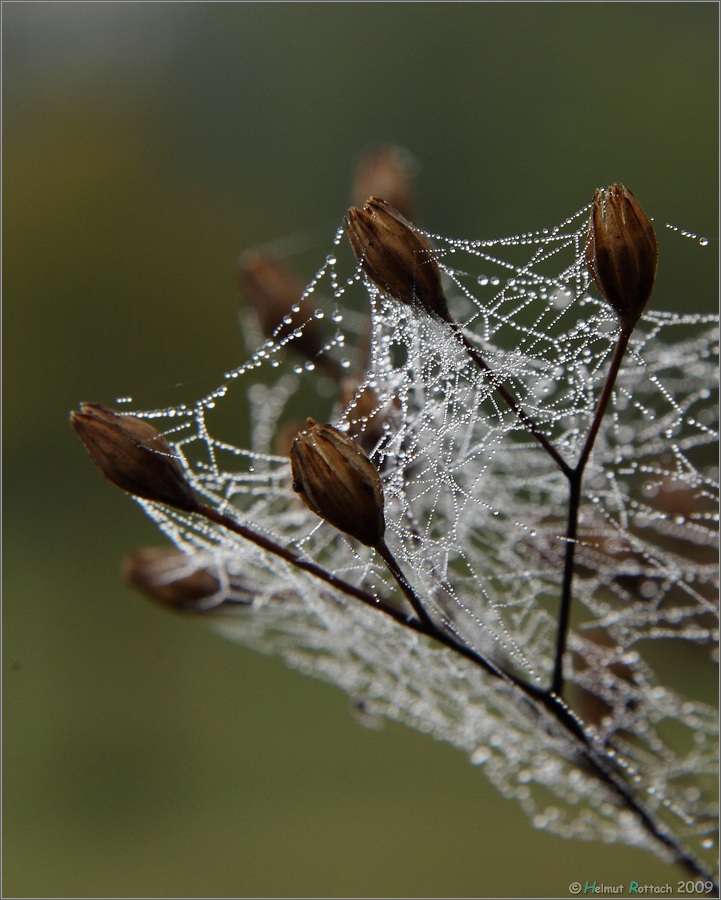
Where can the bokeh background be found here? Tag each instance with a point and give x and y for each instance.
(145, 146)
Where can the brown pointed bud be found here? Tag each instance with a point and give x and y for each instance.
(170, 578)
(337, 481)
(396, 257)
(388, 174)
(622, 252)
(271, 292)
(133, 455)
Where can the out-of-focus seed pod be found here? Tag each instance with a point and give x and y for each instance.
(621, 252)
(337, 481)
(367, 417)
(271, 292)
(602, 677)
(134, 455)
(169, 578)
(285, 436)
(396, 257)
(387, 174)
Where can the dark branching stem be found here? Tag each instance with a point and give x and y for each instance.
(575, 480)
(573, 474)
(510, 399)
(592, 753)
(410, 595)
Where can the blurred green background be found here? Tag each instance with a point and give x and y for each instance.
(145, 146)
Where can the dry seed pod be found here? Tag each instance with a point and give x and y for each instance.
(286, 435)
(396, 257)
(133, 455)
(165, 575)
(387, 174)
(368, 416)
(271, 291)
(337, 481)
(600, 671)
(621, 252)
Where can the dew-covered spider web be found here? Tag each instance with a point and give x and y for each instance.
(476, 517)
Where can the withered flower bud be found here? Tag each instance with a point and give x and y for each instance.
(387, 174)
(621, 252)
(337, 481)
(271, 291)
(396, 257)
(167, 576)
(133, 455)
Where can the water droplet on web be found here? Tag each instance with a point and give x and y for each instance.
(708, 843)
(561, 299)
(319, 314)
(345, 364)
(480, 756)
(648, 589)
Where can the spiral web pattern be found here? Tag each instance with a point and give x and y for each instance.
(475, 512)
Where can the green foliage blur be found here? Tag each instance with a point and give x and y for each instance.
(146, 146)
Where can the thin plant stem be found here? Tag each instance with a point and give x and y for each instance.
(575, 481)
(295, 559)
(510, 399)
(396, 571)
(573, 474)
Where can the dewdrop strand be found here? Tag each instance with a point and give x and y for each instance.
(476, 517)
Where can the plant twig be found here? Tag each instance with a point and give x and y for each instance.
(575, 481)
(510, 399)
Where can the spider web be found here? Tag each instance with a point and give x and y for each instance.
(475, 513)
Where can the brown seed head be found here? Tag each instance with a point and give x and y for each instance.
(387, 174)
(168, 577)
(368, 416)
(337, 481)
(133, 455)
(271, 290)
(396, 257)
(621, 252)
